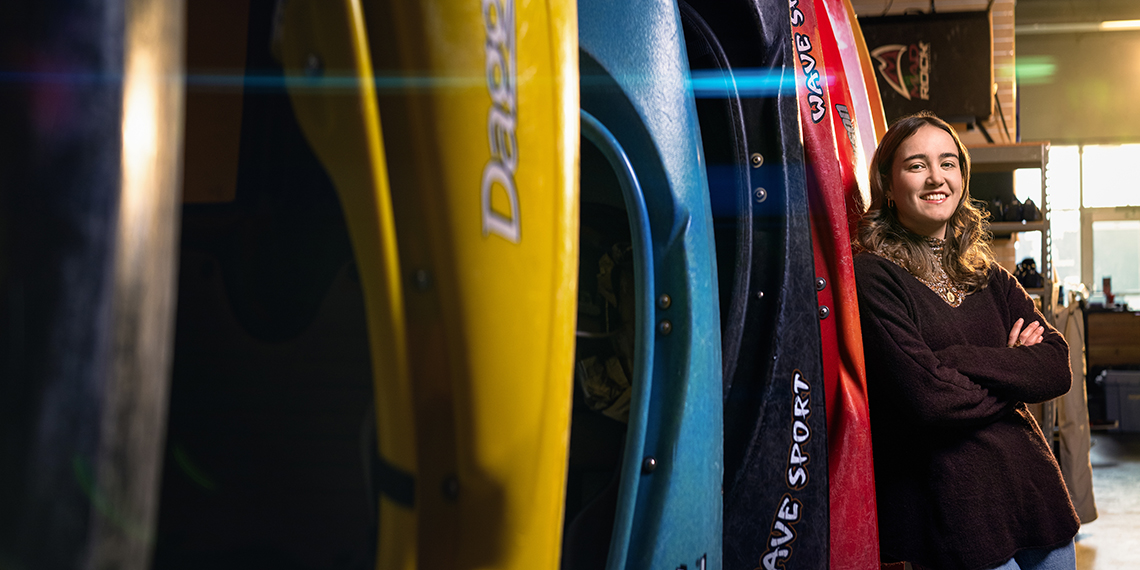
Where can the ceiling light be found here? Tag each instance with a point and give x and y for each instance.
(1120, 25)
(1077, 27)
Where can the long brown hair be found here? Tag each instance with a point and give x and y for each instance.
(966, 255)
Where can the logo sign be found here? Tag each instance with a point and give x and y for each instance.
(938, 62)
(813, 80)
(790, 510)
(905, 68)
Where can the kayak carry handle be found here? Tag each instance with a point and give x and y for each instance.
(643, 342)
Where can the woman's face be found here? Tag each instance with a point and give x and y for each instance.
(926, 181)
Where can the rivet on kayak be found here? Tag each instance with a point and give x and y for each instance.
(451, 488)
(422, 279)
(648, 465)
(314, 67)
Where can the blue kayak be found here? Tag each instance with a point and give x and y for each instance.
(642, 158)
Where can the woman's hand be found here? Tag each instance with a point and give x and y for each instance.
(1028, 336)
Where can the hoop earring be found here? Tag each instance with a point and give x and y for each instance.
(890, 202)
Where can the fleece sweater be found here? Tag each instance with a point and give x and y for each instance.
(964, 477)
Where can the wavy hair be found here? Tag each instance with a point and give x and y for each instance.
(966, 254)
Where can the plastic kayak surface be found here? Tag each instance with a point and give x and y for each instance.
(343, 127)
(480, 137)
(878, 122)
(635, 86)
(866, 104)
(776, 478)
(834, 158)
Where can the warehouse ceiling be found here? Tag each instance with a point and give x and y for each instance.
(1066, 11)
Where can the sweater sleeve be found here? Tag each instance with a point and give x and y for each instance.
(1027, 373)
(902, 371)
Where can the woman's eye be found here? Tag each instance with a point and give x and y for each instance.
(915, 166)
(949, 165)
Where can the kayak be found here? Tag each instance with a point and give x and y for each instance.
(776, 477)
(642, 155)
(468, 261)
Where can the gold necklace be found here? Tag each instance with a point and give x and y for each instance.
(941, 284)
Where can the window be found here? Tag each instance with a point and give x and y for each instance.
(1095, 219)
(1063, 185)
(1064, 178)
(1108, 180)
(1065, 225)
(1116, 255)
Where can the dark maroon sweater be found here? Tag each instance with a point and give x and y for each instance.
(963, 475)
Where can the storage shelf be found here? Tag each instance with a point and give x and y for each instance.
(1013, 227)
(1005, 157)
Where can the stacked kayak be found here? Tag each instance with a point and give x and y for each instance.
(475, 265)
(638, 117)
(560, 284)
(776, 479)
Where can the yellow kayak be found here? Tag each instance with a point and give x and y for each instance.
(474, 268)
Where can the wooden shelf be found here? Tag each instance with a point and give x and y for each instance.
(1013, 227)
(1005, 157)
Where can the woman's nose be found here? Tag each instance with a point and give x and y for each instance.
(935, 178)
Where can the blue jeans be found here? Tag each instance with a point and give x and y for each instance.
(1060, 558)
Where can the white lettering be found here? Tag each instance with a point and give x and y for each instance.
(818, 107)
(813, 83)
(776, 556)
(499, 172)
(800, 431)
(803, 44)
(800, 407)
(501, 131)
(797, 477)
(798, 457)
(785, 535)
(797, 14)
(808, 63)
(493, 222)
(788, 513)
(789, 510)
(812, 78)
(798, 383)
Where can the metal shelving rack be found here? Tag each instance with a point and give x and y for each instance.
(1006, 158)
(1009, 157)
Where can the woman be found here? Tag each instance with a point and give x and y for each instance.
(954, 348)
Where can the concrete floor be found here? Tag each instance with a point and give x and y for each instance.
(1113, 540)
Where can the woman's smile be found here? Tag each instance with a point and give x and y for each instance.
(926, 181)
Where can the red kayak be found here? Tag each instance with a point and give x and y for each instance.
(834, 153)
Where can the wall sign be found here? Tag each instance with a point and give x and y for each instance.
(938, 62)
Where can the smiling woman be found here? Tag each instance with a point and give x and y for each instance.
(926, 181)
(920, 190)
(954, 349)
